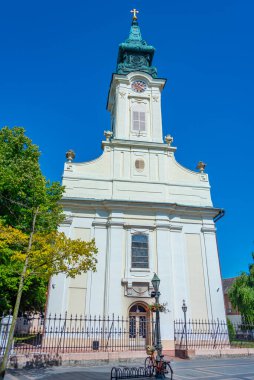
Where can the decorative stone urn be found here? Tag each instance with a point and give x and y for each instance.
(108, 135)
(201, 166)
(168, 139)
(70, 155)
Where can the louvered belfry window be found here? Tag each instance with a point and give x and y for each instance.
(139, 251)
(139, 121)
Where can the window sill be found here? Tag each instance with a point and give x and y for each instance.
(138, 134)
(140, 270)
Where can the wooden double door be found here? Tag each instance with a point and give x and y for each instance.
(139, 325)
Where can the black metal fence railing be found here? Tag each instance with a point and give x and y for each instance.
(212, 334)
(34, 333)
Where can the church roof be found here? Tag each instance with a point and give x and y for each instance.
(135, 54)
(227, 283)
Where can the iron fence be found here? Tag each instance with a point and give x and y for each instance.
(67, 333)
(213, 334)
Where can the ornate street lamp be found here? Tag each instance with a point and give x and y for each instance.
(158, 345)
(156, 282)
(184, 309)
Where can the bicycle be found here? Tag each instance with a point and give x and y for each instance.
(155, 366)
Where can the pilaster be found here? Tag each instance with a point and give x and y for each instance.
(57, 302)
(96, 280)
(165, 273)
(115, 266)
(214, 276)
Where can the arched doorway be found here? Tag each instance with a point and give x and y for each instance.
(139, 325)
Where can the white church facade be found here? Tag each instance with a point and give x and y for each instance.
(146, 212)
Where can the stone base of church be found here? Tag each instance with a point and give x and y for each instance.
(72, 359)
(168, 347)
(97, 358)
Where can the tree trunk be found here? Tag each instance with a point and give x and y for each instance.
(17, 304)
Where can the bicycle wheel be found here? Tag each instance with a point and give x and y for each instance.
(168, 369)
(149, 364)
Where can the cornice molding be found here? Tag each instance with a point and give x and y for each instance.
(163, 226)
(107, 223)
(113, 223)
(209, 230)
(108, 204)
(176, 228)
(129, 226)
(97, 223)
(75, 177)
(114, 143)
(67, 221)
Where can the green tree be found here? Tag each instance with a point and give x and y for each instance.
(34, 291)
(30, 213)
(241, 294)
(231, 330)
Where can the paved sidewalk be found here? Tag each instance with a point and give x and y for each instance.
(196, 369)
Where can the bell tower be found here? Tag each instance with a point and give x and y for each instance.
(134, 99)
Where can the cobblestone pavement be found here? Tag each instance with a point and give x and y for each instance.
(201, 369)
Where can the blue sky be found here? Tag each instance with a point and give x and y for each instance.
(57, 58)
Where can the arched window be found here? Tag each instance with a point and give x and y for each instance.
(138, 118)
(139, 251)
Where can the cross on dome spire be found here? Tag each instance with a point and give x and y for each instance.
(134, 11)
(134, 53)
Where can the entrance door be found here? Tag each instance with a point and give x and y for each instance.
(138, 326)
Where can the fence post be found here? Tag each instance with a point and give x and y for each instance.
(215, 338)
(5, 326)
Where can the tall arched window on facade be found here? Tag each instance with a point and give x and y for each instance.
(139, 251)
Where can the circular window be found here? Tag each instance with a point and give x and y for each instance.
(140, 165)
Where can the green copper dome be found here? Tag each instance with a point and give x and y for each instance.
(135, 54)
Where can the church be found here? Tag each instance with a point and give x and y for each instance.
(146, 212)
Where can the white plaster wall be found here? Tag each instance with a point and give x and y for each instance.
(113, 294)
(179, 273)
(188, 269)
(121, 98)
(160, 181)
(196, 280)
(57, 302)
(95, 302)
(165, 273)
(214, 276)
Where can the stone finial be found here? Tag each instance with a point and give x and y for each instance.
(108, 135)
(168, 139)
(70, 155)
(201, 166)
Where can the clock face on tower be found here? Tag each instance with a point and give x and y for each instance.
(138, 86)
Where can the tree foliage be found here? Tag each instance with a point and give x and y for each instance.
(51, 253)
(241, 293)
(34, 290)
(31, 204)
(231, 330)
(30, 213)
(23, 188)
